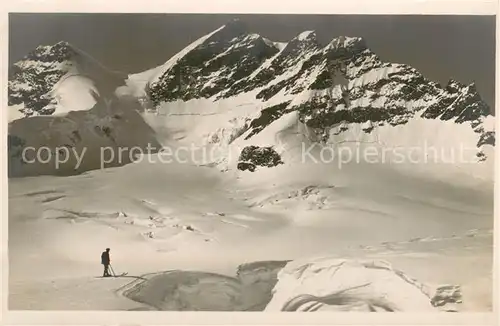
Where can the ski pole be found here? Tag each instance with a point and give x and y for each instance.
(112, 270)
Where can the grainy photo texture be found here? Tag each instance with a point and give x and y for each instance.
(210, 162)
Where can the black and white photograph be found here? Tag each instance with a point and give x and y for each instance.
(248, 162)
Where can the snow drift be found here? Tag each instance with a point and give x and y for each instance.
(350, 285)
(318, 285)
(176, 290)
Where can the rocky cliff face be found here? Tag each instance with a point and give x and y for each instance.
(219, 61)
(31, 79)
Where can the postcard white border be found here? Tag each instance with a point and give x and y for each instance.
(413, 7)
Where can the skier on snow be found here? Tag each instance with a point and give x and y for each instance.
(105, 260)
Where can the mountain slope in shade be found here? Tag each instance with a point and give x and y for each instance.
(100, 137)
(63, 103)
(56, 79)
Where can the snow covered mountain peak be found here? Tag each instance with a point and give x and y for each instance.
(233, 29)
(55, 79)
(209, 65)
(339, 92)
(61, 97)
(304, 41)
(306, 35)
(60, 52)
(347, 42)
(260, 63)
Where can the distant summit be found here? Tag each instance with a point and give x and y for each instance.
(58, 78)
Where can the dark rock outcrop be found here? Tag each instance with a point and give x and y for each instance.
(252, 157)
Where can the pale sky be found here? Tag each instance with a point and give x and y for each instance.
(440, 47)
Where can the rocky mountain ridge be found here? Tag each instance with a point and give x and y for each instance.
(331, 87)
(338, 84)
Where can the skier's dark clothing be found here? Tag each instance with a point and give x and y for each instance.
(106, 271)
(105, 260)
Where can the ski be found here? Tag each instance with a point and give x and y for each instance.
(113, 276)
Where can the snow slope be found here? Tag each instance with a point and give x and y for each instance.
(185, 217)
(74, 93)
(424, 147)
